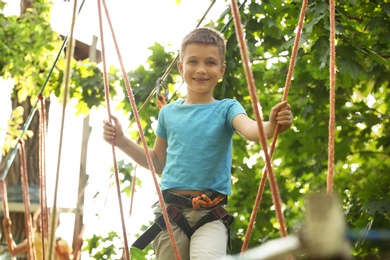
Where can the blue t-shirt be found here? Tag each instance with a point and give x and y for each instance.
(199, 152)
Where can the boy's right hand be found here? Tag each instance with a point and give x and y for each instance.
(112, 132)
(7, 223)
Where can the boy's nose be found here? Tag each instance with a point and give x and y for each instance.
(201, 69)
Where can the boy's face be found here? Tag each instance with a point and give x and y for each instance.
(201, 67)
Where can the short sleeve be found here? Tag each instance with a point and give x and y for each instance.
(161, 126)
(235, 108)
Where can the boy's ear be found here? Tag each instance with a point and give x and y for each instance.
(223, 69)
(180, 67)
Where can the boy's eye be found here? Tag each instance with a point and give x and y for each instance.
(211, 62)
(192, 61)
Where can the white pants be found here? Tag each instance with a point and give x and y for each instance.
(208, 242)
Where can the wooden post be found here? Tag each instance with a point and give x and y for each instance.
(78, 227)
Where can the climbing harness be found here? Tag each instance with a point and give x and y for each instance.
(174, 210)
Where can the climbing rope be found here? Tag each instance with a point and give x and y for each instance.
(26, 200)
(106, 88)
(276, 132)
(42, 174)
(332, 96)
(257, 111)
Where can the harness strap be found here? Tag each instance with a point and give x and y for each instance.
(175, 215)
(218, 213)
(214, 214)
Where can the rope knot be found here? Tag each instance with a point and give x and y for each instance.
(205, 202)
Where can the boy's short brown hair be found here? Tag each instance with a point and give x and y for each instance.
(205, 36)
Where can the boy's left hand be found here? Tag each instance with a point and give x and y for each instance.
(281, 114)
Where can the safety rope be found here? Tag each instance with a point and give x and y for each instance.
(276, 132)
(42, 174)
(4, 196)
(26, 200)
(332, 96)
(257, 112)
(107, 96)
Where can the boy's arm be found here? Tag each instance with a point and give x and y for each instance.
(13, 249)
(113, 134)
(247, 127)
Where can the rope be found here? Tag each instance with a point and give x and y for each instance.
(26, 200)
(203, 201)
(42, 174)
(256, 108)
(4, 196)
(332, 96)
(106, 88)
(275, 136)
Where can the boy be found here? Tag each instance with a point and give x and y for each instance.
(62, 251)
(193, 150)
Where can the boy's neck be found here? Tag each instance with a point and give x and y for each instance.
(193, 101)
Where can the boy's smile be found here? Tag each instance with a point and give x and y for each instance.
(201, 67)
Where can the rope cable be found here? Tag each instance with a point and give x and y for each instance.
(332, 96)
(107, 95)
(26, 201)
(257, 111)
(42, 174)
(276, 132)
(4, 196)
